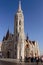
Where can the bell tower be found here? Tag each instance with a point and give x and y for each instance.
(19, 32)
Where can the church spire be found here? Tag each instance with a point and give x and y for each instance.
(19, 9)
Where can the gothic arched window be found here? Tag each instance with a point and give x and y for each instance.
(16, 30)
(20, 29)
(20, 22)
(16, 38)
(16, 22)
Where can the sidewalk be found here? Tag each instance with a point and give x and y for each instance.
(10, 60)
(17, 61)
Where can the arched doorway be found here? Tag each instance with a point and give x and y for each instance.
(27, 52)
(8, 54)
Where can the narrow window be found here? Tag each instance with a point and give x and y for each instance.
(20, 22)
(16, 38)
(20, 29)
(16, 30)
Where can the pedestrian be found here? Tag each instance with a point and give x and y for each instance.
(37, 60)
(21, 58)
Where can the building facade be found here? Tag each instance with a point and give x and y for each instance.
(0, 50)
(18, 45)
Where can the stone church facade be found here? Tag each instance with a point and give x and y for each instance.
(18, 45)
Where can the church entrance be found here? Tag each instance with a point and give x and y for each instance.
(8, 54)
(27, 58)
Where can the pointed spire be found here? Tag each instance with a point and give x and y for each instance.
(19, 6)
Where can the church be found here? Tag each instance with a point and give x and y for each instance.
(18, 45)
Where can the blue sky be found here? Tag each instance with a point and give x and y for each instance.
(33, 18)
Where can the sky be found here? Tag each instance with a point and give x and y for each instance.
(33, 18)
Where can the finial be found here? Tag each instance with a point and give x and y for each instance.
(19, 5)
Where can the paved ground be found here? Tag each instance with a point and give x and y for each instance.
(14, 62)
(10, 63)
(7, 63)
